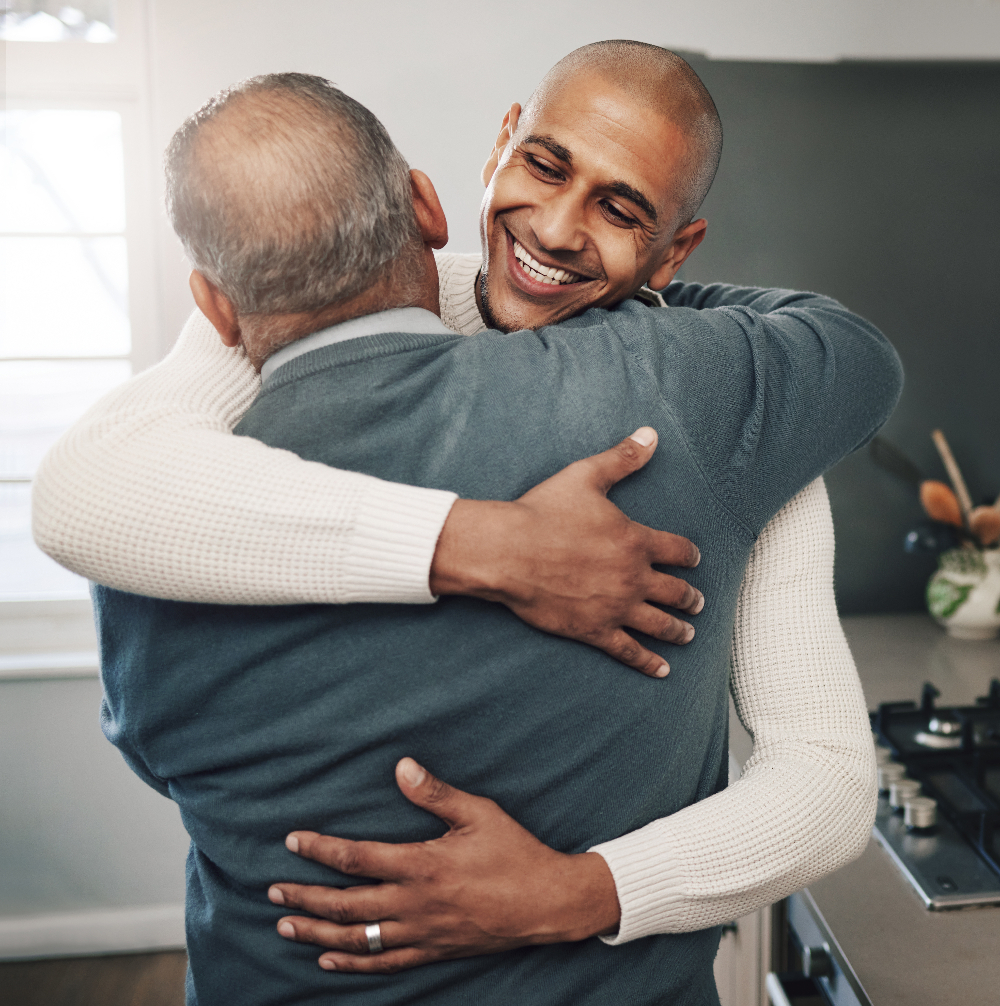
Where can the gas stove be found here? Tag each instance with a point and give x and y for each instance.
(939, 801)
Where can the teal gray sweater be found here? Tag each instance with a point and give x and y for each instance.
(261, 720)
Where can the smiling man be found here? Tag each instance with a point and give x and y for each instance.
(161, 446)
(577, 214)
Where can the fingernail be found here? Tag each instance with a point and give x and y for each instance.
(698, 604)
(411, 772)
(327, 965)
(645, 435)
(292, 843)
(286, 929)
(697, 556)
(274, 893)
(689, 632)
(663, 671)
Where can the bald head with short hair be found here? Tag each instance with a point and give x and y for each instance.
(288, 194)
(661, 81)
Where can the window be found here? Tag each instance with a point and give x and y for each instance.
(64, 322)
(76, 307)
(56, 21)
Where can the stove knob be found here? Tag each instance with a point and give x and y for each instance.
(945, 725)
(883, 755)
(920, 812)
(888, 774)
(816, 962)
(902, 790)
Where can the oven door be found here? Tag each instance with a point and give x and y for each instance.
(819, 974)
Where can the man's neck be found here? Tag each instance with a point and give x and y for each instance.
(264, 335)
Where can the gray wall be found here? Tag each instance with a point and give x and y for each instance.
(878, 184)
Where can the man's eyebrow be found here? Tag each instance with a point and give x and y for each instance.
(633, 195)
(622, 189)
(557, 150)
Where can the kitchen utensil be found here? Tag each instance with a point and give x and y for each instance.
(938, 500)
(984, 522)
(891, 459)
(940, 503)
(958, 483)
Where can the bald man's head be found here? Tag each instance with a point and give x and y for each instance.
(288, 194)
(656, 79)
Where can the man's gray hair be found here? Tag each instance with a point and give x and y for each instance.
(288, 194)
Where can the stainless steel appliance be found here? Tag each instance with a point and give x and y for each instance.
(946, 838)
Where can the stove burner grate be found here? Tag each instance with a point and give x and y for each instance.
(954, 753)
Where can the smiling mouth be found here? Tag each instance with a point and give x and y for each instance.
(543, 273)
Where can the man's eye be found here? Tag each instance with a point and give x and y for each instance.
(542, 168)
(616, 214)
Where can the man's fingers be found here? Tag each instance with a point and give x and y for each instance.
(675, 593)
(387, 963)
(666, 549)
(378, 860)
(620, 645)
(455, 807)
(343, 907)
(348, 939)
(660, 625)
(349, 946)
(603, 470)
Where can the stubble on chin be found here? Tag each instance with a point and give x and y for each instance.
(498, 321)
(486, 308)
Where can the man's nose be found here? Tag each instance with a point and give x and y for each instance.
(559, 223)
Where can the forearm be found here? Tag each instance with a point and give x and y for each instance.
(150, 493)
(805, 802)
(707, 296)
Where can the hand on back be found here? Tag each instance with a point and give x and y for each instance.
(486, 885)
(566, 560)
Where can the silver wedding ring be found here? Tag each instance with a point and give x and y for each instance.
(374, 934)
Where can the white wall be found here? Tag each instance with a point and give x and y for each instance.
(91, 859)
(441, 73)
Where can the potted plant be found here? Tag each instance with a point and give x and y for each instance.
(963, 595)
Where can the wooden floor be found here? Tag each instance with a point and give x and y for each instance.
(126, 980)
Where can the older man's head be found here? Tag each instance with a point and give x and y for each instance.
(289, 196)
(593, 186)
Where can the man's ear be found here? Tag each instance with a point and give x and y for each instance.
(430, 216)
(217, 307)
(507, 129)
(685, 241)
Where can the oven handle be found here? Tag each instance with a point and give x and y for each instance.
(775, 991)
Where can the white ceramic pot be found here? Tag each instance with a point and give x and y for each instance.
(964, 593)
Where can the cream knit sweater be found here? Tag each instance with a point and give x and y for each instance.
(149, 493)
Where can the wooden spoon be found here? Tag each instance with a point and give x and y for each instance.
(940, 503)
(964, 500)
(984, 522)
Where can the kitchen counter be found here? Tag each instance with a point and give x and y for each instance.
(901, 953)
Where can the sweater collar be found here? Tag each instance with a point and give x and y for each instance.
(412, 320)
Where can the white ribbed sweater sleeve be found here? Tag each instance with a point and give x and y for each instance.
(805, 802)
(149, 492)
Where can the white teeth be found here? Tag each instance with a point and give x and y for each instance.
(542, 273)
